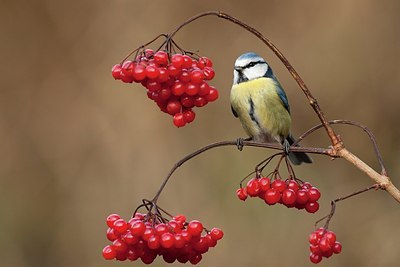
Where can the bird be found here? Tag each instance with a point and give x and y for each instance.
(259, 101)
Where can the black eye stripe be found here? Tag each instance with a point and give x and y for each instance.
(253, 63)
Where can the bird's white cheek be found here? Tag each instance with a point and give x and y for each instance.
(235, 77)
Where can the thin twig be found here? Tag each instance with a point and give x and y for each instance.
(313, 150)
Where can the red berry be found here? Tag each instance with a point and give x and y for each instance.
(109, 252)
(153, 85)
(163, 75)
(241, 193)
(178, 88)
(195, 228)
(152, 72)
(138, 228)
(120, 245)
(324, 244)
(179, 120)
(315, 258)
(116, 71)
(312, 207)
(192, 89)
(265, 183)
(278, 185)
(313, 238)
(187, 62)
(167, 240)
(213, 94)
(315, 249)
(189, 115)
(301, 196)
(153, 242)
(120, 226)
(173, 71)
(130, 239)
(161, 58)
(272, 196)
(196, 76)
(149, 52)
(179, 241)
(292, 184)
(177, 61)
(165, 93)
(204, 89)
(112, 234)
(337, 247)
(313, 194)
(209, 73)
(195, 259)
(111, 219)
(174, 107)
(139, 73)
(205, 62)
(253, 187)
(185, 76)
(187, 101)
(216, 234)
(200, 101)
(161, 229)
(288, 197)
(181, 219)
(330, 237)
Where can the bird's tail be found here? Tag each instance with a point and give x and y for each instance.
(297, 157)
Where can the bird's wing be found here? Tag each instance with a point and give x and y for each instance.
(283, 97)
(234, 112)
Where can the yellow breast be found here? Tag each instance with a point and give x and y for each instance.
(260, 109)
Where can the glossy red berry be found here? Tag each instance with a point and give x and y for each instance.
(177, 61)
(189, 115)
(111, 219)
(174, 107)
(109, 252)
(216, 233)
(312, 207)
(167, 240)
(161, 58)
(116, 71)
(313, 194)
(315, 258)
(253, 187)
(279, 185)
(337, 247)
(241, 193)
(179, 120)
(272, 196)
(264, 183)
(288, 197)
(120, 226)
(195, 228)
(212, 95)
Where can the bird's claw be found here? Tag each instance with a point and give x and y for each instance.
(239, 143)
(286, 147)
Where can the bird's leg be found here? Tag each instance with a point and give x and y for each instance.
(286, 147)
(239, 142)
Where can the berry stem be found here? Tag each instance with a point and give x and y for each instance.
(143, 46)
(333, 204)
(312, 150)
(356, 124)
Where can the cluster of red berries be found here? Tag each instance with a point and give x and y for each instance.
(323, 244)
(289, 193)
(176, 83)
(146, 239)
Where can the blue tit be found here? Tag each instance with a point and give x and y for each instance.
(258, 100)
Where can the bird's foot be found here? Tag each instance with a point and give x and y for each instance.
(239, 142)
(286, 147)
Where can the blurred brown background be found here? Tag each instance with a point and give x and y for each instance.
(77, 145)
